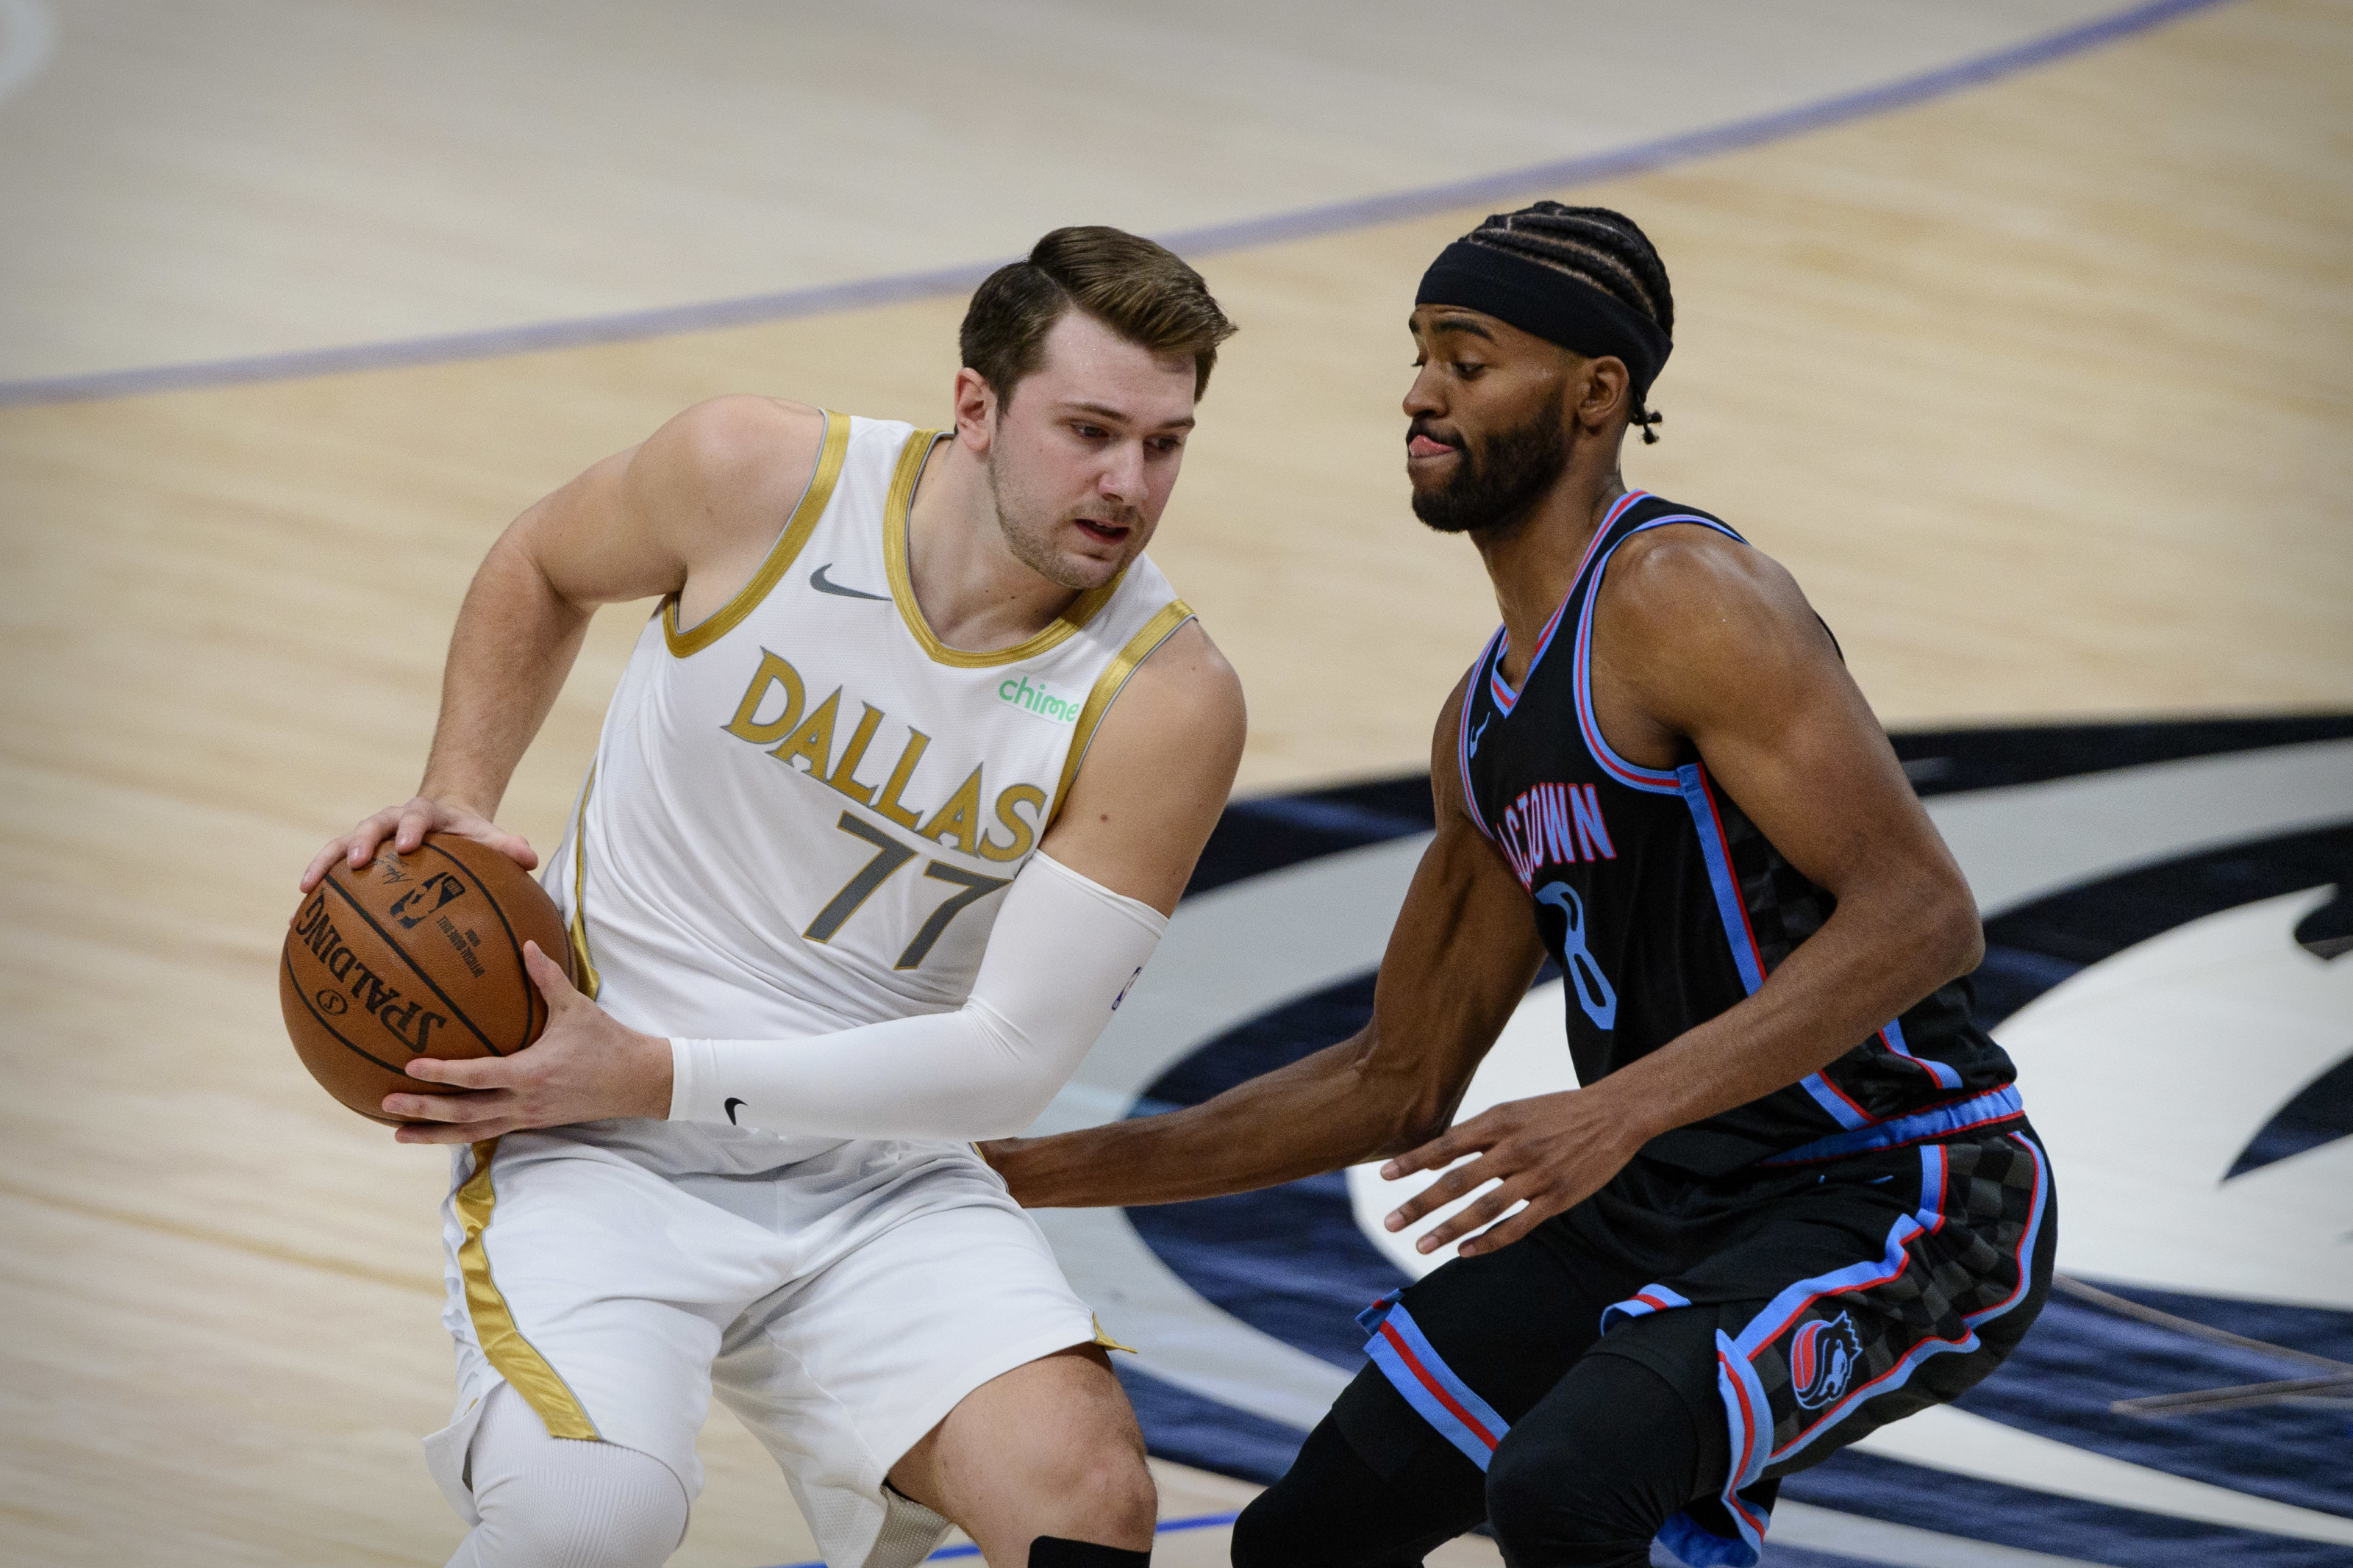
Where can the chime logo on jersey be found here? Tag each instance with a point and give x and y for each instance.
(801, 736)
(1823, 1354)
(1017, 692)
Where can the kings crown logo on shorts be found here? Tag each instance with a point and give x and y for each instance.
(1823, 1354)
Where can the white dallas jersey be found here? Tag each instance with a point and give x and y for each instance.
(803, 809)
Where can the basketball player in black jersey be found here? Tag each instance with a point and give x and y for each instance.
(1797, 1197)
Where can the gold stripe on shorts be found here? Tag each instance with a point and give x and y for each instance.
(494, 1326)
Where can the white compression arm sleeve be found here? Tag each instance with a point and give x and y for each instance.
(1060, 956)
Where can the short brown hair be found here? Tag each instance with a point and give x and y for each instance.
(1139, 290)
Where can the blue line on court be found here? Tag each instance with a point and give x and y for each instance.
(1165, 1527)
(1303, 224)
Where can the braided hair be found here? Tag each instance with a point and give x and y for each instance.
(1596, 246)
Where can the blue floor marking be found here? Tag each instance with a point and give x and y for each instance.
(1165, 1527)
(1305, 222)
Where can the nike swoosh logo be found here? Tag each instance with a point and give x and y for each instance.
(729, 1108)
(825, 584)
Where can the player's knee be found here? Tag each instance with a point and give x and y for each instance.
(1119, 1493)
(1105, 1484)
(585, 1505)
(1543, 1511)
(1275, 1531)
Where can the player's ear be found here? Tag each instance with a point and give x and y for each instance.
(1602, 388)
(975, 409)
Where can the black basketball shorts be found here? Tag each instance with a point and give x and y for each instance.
(1803, 1307)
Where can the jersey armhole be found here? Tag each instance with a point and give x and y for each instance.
(1463, 735)
(781, 555)
(1633, 776)
(1106, 690)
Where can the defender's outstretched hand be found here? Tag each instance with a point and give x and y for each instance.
(586, 1067)
(406, 825)
(1554, 1152)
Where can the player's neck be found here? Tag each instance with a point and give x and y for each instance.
(1533, 560)
(974, 594)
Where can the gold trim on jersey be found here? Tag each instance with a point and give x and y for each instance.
(586, 979)
(1079, 611)
(525, 1369)
(1140, 646)
(797, 529)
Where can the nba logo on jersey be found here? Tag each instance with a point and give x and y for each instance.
(1822, 1359)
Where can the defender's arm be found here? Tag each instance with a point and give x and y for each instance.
(1708, 645)
(691, 511)
(1459, 959)
(1760, 692)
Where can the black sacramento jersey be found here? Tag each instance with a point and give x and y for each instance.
(1663, 906)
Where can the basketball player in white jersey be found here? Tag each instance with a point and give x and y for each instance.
(891, 806)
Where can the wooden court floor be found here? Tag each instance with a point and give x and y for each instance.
(2042, 390)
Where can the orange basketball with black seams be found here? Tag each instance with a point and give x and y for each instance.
(415, 956)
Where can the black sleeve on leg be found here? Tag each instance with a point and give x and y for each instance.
(1059, 1551)
(1586, 1479)
(1333, 1509)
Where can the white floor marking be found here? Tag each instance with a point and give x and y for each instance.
(1944, 1438)
(2024, 842)
(2201, 1034)
(1897, 1545)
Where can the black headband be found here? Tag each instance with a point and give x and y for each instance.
(1556, 306)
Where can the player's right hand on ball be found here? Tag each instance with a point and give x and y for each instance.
(406, 826)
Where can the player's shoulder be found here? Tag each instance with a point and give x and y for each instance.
(1188, 687)
(1445, 768)
(740, 441)
(1672, 580)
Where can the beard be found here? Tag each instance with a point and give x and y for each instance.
(1520, 465)
(1030, 529)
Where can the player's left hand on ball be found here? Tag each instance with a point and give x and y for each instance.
(585, 1066)
(1552, 1152)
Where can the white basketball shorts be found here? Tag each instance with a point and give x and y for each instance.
(841, 1306)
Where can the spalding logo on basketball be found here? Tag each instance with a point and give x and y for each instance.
(1822, 1358)
(411, 956)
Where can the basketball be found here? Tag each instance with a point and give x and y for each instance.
(414, 955)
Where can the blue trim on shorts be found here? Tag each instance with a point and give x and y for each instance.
(1937, 1121)
(1436, 1392)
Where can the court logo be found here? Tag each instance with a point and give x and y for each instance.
(1823, 1355)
